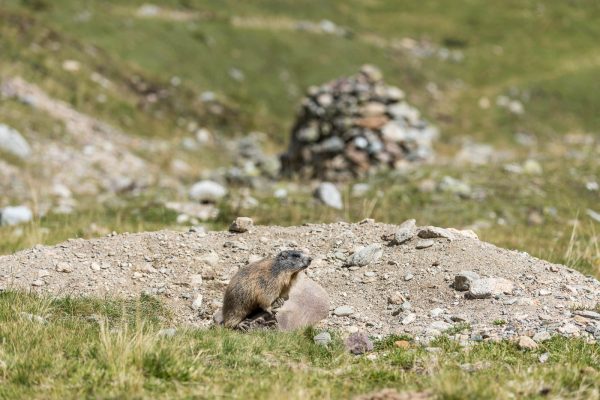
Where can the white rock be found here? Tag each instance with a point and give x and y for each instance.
(343, 311)
(464, 279)
(440, 326)
(487, 287)
(197, 303)
(409, 319)
(568, 329)
(527, 343)
(328, 193)
(207, 191)
(12, 142)
(365, 256)
(15, 215)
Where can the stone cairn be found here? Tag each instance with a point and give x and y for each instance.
(354, 126)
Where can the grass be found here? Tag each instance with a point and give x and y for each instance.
(109, 349)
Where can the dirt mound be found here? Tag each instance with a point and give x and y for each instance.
(398, 282)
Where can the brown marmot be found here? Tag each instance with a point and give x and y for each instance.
(259, 284)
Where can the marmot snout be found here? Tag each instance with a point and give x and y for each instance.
(259, 284)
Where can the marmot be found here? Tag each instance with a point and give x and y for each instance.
(259, 284)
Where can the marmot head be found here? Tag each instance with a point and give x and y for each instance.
(291, 261)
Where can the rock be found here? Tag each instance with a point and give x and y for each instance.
(15, 215)
(527, 343)
(34, 318)
(343, 311)
(64, 267)
(433, 232)
(544, 357)
(436, 312)
(358, 343)
(13, 143)
(568, 329)
(197, 303)
(365, 256)
(308, 304)
(38, 283)
(409, 319)
(329, 195)
(488, 287)
(408, 277)
(588, 314)
(395, 298)
(218, 317)
(167, 332)
(423, 244)
(464, 279)
(207, 191)
(544, 292)
(405, 232)
(440, 326)
(323, 338)
(241, 225)
(541, 336)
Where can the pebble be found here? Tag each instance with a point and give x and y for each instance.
(402, 344)
(487, 287)
(436, 312)
(38, 282)
(207, 191)
(409, 319)
(408, 277)
(365, 256)
(241, 225)
(541, 336)
(328, 193)
(423, 244)
(544, 357)
(405, 232)
(358, 343)
(433, 232)
(64, 267)
(12, 142)
(323, 338)
(544, 292)
(568, 329)
(395, 298)
(527, 343)
(343, 311)
(588, 314)
(197, 303)
(463, 280)
(167, 332)
(440, 326)
(15, 215)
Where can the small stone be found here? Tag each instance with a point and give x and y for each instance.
(406, 306)
(42, 273)
(527, 343)
(323, 338)
(196, 280)
(588, 314)
(395, 298)
(568, 329)
(343, 311)
(167, 332)
(365, 256)
(544, 292)
(554, 268)
(436, 312)
(207, 191)
(405, 232)
(328, 193)
(408, 277)
(433, 232)
(64, 267)
(15, 215)
(409, 319)
(358, 343)
(541, 336)
(440, 326)
(197, 303)
(402, 344)
(38, 282)
(12, 142)
(464, 279)
(544, 357)
(488, 287)
(423, 244)
(241, 225)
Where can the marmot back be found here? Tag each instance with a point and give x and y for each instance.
(259, 284)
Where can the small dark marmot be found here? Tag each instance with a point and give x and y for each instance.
(259, 284)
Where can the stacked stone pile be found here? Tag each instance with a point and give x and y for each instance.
(353, 126)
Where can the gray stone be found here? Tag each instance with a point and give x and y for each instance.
(527, 343)
(409, 319)
(365, 256)
(323, 338)
(241, 225)
(207, 191)
(408, 277)
(358, 343)
(463, 280)
(433, 232)
(197, 303)
(568, 329)
(488, 287)
(544, 357)
(423, 244)
(405, 231)
(588, 314)
(167, 332)
(440, 326)
(328, 193)
(15, 215)
(12, 142)
(343, 311)
(308, 304)
(541, 336)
